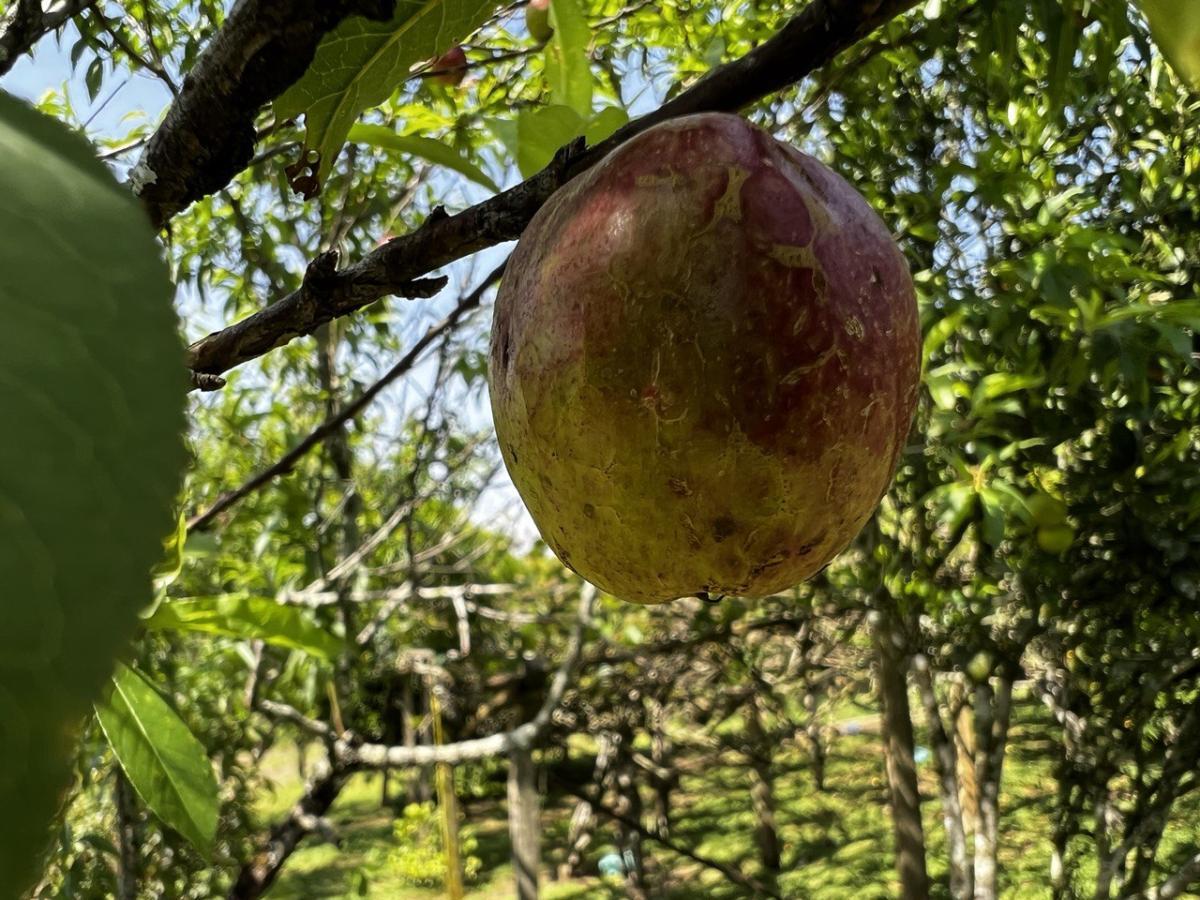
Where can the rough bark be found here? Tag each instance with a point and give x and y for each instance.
(26, 23)
(946, 759)
(257, 876)
(127, 843)
(524, 827)
(208, 134)
(762, 790)
(901, 766)
(992, 710)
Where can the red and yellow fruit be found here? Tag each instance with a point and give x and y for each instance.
(704, 364)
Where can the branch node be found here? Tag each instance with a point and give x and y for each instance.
(321, 271)
(205, 381)
(422, 287)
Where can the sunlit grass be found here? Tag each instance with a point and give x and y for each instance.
(837, 843)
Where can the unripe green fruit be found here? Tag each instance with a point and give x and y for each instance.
(704, 364)
(1056, 538)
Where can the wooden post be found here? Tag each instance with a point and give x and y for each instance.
(524, 826)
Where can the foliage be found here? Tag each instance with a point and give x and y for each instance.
(1037, 160)
(419, 857)
(92, 391)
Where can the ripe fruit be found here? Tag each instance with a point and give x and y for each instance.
(537, 20)
(451, 66)
(704, 364)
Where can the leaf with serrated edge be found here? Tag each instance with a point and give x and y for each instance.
(362, 62)
(164, 762)
(92, 395)
(243, 616)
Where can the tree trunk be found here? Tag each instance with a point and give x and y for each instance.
(418, 789)
(583, 820)
(524, 827)
(901, 767)
(812, 729)
(762, 793)
(945, 757)
(629, 805)
(257, 875)
(964, 742)
(992, 708)
(127, 861)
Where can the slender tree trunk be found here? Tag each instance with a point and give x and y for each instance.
(583, 820)
(629, 805)
(901, 766)
(812, 729)
(945, 757)
(661, 752)
(524, 827)
(418, 789)
(992, 708)
(257, 876)
(762, 790)
(964, 743)
(127, 861)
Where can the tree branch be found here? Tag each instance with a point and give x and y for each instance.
(208, 134)
(26, 23)
(756, 887)
(523, 737)
(1187, 875)
(288, 461)
(822, 30)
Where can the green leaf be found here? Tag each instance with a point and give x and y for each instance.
(427, 148)
(253, 618)
(505, 131)
(1063, 34)
(939, 333)
(362, 62)
(92, 393)
(1175, 25)
(167, 569)
(540, 132)
(604, 123)
(993, 516)
(568, 68)
(164, 762)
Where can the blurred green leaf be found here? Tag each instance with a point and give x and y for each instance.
(250, 617)
(92, 392)
(1175, 25)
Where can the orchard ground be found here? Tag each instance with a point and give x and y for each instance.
(837, 842)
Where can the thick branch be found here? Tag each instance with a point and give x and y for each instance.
(257, 876)
(810, 40)
(1188, 875)
(523, 737)
(208, 134)
(26, 23)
